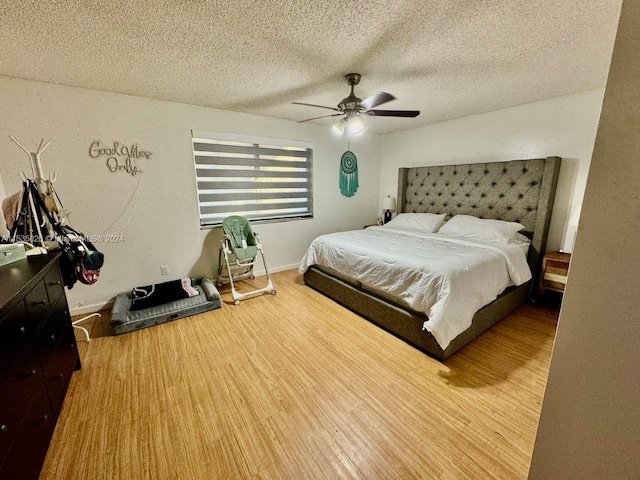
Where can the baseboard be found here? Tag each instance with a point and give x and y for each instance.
(260, 273)
(96, 307)
(91, 308)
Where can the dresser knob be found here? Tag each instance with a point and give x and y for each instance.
(41, 302)
(33, 372)
(45, 418)
(53, 338)
(54, 283)
(59, 376)
(23, 330)
(3, 428)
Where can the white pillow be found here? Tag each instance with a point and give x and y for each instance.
(522, 241)
(482, 229)
(417, 222)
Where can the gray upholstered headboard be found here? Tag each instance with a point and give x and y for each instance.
(518, 191)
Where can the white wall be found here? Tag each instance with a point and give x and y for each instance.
(160, 225)
(157, 211)
(590, 422)
(564, 126)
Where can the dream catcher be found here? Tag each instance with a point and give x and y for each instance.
(348, 174)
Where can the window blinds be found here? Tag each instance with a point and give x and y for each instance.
(262, 179)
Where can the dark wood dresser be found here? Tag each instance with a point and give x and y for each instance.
(37, 357)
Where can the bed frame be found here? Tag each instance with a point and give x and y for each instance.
(518, 190)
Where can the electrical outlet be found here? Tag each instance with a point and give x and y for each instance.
(164, 269)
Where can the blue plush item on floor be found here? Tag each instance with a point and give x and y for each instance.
(125, 320)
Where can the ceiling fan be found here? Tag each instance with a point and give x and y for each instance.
(352, 108)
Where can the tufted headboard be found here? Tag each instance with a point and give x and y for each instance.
(518, 191)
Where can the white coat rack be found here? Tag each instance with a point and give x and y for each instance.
(36, 165)
(42, 184)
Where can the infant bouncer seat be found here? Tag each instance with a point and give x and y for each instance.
(240, 249)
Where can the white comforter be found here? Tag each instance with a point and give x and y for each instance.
(447, 278)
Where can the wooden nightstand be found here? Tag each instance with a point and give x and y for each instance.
(555, 267)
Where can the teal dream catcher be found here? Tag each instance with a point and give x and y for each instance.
(348, 174)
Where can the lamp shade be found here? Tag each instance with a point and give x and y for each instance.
(389, 203)
(339, 127)
(356, 125)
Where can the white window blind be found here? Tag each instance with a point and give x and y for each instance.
(262, 179)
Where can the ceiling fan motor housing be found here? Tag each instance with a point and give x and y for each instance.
(351, 103)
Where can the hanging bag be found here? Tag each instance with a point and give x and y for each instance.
(80, 260)
(84, 260)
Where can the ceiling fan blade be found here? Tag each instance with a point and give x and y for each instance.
(376, 99)
(323, 116)
(319, 106)
(393, 113)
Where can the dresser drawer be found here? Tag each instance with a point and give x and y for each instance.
(37, 303)
(15, 396)
(27, 452)
(53, 282)
(15, 334)
(48, 337)
(60, 368)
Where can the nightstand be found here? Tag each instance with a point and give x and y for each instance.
(555, 267)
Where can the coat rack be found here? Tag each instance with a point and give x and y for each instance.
(34, 217)
(36, 165)
(35, 221)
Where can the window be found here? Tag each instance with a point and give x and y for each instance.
(262, 179)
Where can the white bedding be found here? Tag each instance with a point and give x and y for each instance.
(447, 278)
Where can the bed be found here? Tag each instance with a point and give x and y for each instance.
(520, 191)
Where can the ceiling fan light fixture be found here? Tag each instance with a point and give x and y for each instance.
(339, 127)
(355, 124)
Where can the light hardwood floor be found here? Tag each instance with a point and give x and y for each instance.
(295, 387)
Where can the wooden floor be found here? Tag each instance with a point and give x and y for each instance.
(296, 387)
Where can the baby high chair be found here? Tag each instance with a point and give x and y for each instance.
(240, 249)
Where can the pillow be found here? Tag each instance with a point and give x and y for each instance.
(417, 222)
(520, 239)
(481, 229)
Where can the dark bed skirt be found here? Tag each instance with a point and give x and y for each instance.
(407, 324)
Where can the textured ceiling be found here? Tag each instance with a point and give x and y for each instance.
(447, 58)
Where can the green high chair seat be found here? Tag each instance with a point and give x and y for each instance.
(238, 229)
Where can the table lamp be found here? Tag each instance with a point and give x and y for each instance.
(388, 206)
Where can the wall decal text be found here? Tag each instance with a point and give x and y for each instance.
(119, 157)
